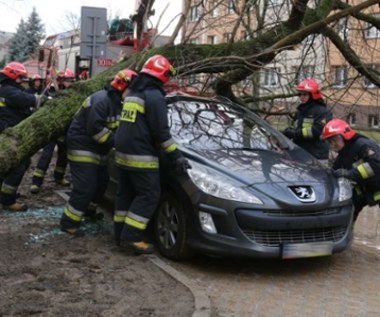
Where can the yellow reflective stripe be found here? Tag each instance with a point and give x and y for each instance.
(362, 171)
(105, 137)
(138, 164)
(8, 189)
(133, 106)
(2, 104)
(376, 196)
(86, 103)
(39, 173)
(307, 132)
(59, 169)
(170, 148)
(112, 125)
(119, 216)
(82, 159)
(70, 215)
(135, 224)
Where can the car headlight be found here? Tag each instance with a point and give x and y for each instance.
(218, 185)
(345, 189)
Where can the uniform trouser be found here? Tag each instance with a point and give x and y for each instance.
(137, 198)
(89, 181)
(44, 161)
(359, 202)
(11, 182)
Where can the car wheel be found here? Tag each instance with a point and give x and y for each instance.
(170, 228)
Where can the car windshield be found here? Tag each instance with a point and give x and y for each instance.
(217, 125)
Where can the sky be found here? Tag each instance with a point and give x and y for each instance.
(55, 15)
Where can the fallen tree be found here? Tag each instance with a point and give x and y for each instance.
(235, 61)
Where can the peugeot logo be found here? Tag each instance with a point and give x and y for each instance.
(305, 194)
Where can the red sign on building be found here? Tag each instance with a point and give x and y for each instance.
(104, 62)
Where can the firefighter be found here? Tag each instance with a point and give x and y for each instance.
(90, 137)
(65, 79)
(15, 106)
(309, 120)
(142, 130)
(35, 85)
(358, 160)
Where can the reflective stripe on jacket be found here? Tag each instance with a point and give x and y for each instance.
(94, 125)
(143, 131)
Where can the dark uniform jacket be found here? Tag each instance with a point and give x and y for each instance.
(309, 121)
(15, 103)
(34, 91)
(361, 156)
(144, 128)
(90, 136)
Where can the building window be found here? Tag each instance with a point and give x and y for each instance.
(275, 2)
(304, 72)
(373, 121)
(340, 76)
(194, 41)
(366, 82)
(271, 78)
(352, 119)
(230, 7)
(214, 8)
(371, 32)
(211, 39)
(227, 37)
(194, 14)
(341, 27)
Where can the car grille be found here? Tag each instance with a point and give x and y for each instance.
(277, 237)
(281, 212)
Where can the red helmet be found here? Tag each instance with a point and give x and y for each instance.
(122, 79)
(337, 127)
(159, 67)
(310, 86)
(66, 73)
(14, 70)
(36, 77)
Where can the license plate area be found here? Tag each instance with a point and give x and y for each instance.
(306, 250)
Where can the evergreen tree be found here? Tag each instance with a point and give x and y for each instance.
(18, 49)
(35, 31)
(27, 38)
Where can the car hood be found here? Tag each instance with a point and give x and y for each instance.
(265, 167)
(280, 177)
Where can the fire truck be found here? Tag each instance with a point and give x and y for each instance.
(125, 37)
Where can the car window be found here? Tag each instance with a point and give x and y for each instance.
(214, 125)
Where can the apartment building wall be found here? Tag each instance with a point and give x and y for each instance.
(347, 93)
(356, 98)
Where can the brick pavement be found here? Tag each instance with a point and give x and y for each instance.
(343, 285)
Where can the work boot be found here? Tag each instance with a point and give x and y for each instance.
(141, 247)
(62, 182)
(15, 207)
(75, 232)
(95, 216)
(34, 189)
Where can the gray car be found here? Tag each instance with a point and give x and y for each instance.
(251, 192)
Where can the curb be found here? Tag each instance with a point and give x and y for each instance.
(202, 302)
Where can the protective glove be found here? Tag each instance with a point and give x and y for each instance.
(289, 133)
(343, 173)
(41, 99)
(182, 165)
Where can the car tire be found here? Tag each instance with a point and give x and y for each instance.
(170, 228)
